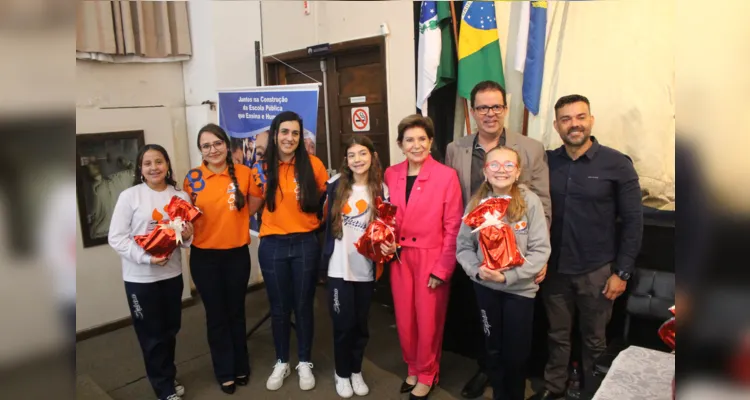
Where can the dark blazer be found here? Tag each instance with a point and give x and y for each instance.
(534, 170)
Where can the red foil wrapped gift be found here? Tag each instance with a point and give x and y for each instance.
(667, 335)
(496, 238)
(380, 231)
(161, 242)
(667, 330)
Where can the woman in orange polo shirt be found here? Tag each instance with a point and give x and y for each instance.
(219, 256)
(289, 249)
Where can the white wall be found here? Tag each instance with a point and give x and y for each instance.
(199, 73)
(287, 28)
(712, 94)
(619, 54)
(236, 28)
(223, 35)
(106, 97)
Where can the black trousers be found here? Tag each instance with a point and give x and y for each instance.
(221, 278)
(507, 321)
(349, 304)
(156, 309)
(562, 294)
(463, 332)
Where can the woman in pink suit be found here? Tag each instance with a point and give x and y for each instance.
(428, 197)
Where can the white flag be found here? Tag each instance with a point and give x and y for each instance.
(428, 59)
(522, 39)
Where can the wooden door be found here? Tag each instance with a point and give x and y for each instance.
(356, 77)
(360, 84)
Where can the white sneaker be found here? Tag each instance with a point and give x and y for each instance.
(359, 386)
(174, 397)
(343, 386)
(306, 378)
(179, 389)
(280, 372)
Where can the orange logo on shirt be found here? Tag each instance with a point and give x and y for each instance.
(520, 226)
(361, 207)
(156, 215)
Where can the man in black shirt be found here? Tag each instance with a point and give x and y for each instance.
(592, 186)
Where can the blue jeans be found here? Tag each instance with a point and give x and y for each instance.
(289, 266)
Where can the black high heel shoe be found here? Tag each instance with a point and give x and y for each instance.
(242, 381)
(412, 396)
(406, 387)
(228, 389)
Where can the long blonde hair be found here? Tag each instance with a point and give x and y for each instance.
(517, 207)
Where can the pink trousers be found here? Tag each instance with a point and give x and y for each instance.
(420, 312)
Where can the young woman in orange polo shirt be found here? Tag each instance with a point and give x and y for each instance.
(289, 249)
(219, 256)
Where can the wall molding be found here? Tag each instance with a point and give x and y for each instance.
(127, 321)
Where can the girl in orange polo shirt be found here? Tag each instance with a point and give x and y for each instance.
(289, 249)
(219, 256)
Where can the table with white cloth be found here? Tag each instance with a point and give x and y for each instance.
(638, 374)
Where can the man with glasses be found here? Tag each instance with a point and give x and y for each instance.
(466, 156)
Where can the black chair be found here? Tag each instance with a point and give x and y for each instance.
(651, 295)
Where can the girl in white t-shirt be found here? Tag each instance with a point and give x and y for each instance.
(351, 276)
(153, 284)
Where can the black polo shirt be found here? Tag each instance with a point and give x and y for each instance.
(589, 195)
(477, 162)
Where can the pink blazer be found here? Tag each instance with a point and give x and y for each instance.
(432, 217)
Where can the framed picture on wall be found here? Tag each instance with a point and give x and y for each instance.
(105, 166)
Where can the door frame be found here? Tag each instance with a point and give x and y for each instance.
(274, 68)
(272, 61)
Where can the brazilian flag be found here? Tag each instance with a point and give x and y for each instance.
(479, 56)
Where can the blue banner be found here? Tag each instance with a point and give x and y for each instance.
(246, 115)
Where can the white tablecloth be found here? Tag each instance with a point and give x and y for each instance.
(638, 374)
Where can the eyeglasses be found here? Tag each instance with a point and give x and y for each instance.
(495, 166)
(483, 110)
(218, 145)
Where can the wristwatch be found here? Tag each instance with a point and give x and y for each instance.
(622, 274)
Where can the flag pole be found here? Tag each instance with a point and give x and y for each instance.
(525, 121)
(455, 41)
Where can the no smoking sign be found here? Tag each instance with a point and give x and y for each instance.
(361, 119)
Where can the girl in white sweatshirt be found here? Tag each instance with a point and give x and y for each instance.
(153, 284)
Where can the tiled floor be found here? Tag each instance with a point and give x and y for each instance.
(113, 363)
